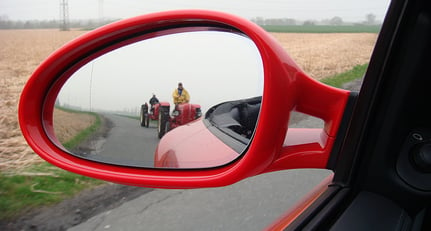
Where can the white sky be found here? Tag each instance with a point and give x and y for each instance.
(348, 10)
(211, 71)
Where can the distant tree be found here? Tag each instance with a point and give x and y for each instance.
(29, 24)
(4, 22)
(336, 21)
(289, 21)
(309, 23)
(370, 19)
(258, 20)
(273, 21)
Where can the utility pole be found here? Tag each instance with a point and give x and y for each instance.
(64, 15)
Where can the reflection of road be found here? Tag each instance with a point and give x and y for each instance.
(128, 143)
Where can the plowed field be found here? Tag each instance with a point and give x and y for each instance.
(21, 51)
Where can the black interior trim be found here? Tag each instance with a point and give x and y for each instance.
(347, 162)
(345, 123)
(234, 122)
(326, 214)
(370, 211)
(312, 211)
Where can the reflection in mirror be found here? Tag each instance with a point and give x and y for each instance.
(106, 111)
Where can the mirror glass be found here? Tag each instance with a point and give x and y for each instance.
(104, 112)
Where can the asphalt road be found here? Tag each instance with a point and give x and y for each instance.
(127, 143)
(251, 204)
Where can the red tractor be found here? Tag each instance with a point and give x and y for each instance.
(148, 114)
(182, 114)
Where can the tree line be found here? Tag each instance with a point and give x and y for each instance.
(5, 23)
(370, 19)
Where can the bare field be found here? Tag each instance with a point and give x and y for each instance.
(21, 51)
(70, 124)
(323, 55)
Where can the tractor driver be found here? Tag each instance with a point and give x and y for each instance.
(180, 95)
(153, 101)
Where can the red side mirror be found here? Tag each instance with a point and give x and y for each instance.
(272, 146)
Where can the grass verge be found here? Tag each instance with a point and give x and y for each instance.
(84, 134)
(44, 184)
(338, 80)
(40, 185)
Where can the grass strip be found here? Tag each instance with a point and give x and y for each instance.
(338, 80)
(44, 184)
(84, 134)
(40, 185)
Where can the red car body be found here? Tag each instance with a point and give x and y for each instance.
(223, 135)
(176, 150)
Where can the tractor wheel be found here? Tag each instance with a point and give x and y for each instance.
(147, 120)
(163, 121)
(144, 113)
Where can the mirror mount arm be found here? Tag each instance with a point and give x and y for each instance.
(322, 101)
(303, 148)
(311, 148)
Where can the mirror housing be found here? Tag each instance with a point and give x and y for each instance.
(286, 88)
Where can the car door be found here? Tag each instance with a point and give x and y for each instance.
(379, 155)
(382, 176)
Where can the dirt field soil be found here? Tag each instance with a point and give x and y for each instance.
(21, 51)
(323, 55)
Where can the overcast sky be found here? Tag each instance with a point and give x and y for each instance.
(348, 10)
(211, 71)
